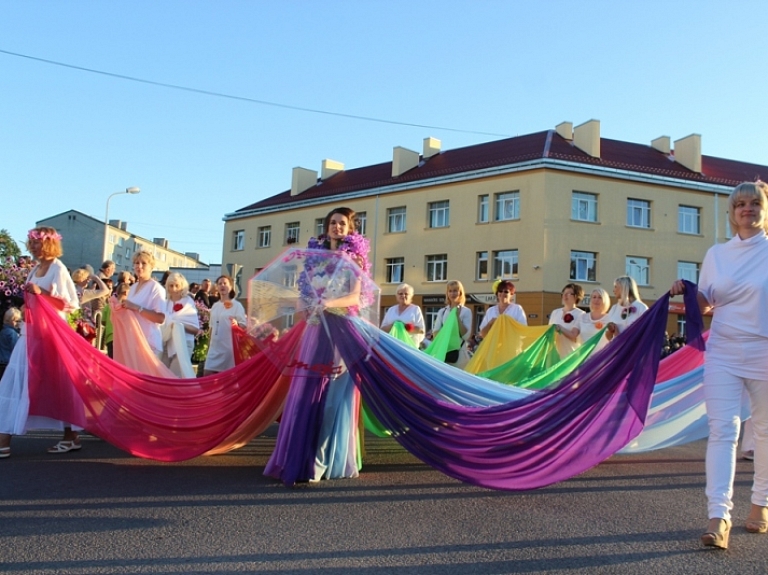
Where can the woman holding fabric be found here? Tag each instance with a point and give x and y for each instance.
(588, 324)
(505, 292)
(566, 318)
(49, 277)
(319, 436)
(180, 310)
(455, 299)
(628, 305)
(407, 313)
(147, 299)
(734, 285)
(225, 313)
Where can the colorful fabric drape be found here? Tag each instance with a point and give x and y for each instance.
(507, 339)
(447, 339)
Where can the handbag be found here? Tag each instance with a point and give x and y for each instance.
(452, 356)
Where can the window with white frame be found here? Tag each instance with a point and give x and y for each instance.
(638, 213)
(439, 214)
(681, 325)
(639, 269)
(505, 264)
(238, 240)
(362, 223)
(481, 268)
(430, 316)
(437, 268)
(163, 256)
(265, 236)
(396, 219)
(292, 232)
(111, 238)
(395, 270)
(127, 252)
(507, 206)
(583, 266)
(483, 205)
(320, 227)
(290, 276)
(688, 220)
(584, 207)
(688, 271)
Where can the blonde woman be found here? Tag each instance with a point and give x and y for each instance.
(407, 312)
(628, 305)
(455, 298)
(589, 324)
(146, 298)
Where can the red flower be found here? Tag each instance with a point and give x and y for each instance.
(227, 304)
(409, 327)
(567, 318)
(599, 325)
(178, 307)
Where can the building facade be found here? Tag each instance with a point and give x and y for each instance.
(543, 210)
(83, 242)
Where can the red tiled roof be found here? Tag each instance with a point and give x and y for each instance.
(540, 145)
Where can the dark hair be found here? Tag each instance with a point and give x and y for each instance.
(349, 213)
(232, 292)
(505, 284)
(578, 291)
(106, 264)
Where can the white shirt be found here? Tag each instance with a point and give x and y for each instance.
(589, 327)
(566, 346)
(465, 318)
(513, 310)
(412, 314)
(630, 312)
(221, 356)
(151, 296)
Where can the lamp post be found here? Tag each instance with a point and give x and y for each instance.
(132, 190)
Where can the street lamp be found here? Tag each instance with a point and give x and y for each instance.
(132, 190)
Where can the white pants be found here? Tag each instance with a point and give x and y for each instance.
(723, 395)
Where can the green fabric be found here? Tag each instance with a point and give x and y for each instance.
(106, 320)
(535, 368)
(447, 339)
(398, 331)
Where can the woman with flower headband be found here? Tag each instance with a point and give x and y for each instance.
(225, 313)
(146, 298)
(319, 436)
(628, 306)
(407, 313)
(566, 318)
(49, 277)
(505, 292)
(588, 324)
(180, 310)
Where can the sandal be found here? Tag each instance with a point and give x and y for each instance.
(718, 532)
(757, 522)
(5, 452)
(65, 447)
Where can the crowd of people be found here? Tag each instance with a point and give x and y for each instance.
(319, 435)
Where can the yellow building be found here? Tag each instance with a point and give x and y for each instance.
(543, 209)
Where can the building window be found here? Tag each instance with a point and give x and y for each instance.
(320, 227)
(396, 219)
(292, 233)
(681, 325)
(437, 268)
(639, 269)
(430, 316)
(290, 276)
(238, 240)
(482, 266)
(505, 264)
(507, 206)
(483, 205)
(583, 266)
(362, 223)
(395, 270)
(163, 256)
(584, 207)
(688, 220)
(688, 271)
(265, 236)
(128, 252)
(111, 238)
(439, 214)
(638, 213)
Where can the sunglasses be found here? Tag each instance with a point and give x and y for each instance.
(504, 291)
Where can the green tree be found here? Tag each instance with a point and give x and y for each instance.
(8, 247)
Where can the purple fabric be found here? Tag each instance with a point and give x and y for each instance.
(538, 440)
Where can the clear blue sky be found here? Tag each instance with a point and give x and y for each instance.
(69, 138)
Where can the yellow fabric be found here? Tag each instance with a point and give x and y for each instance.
(506, 339)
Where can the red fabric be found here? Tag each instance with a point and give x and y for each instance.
(682, 361)
(151, 417)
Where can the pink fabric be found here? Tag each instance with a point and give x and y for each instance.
(682, 361)
(130, 347)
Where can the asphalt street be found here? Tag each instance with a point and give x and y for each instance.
(101, 510)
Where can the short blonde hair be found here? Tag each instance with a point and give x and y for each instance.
(406, 287)
(747, 190)
(11, 314)
(149, 257)
(177, 278)
(79, 275)
(604, 296)
(462, 294)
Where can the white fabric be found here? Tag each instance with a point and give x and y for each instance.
(412, 314)
(513, 310)
(186, 316)
(589, 327)
(566, 346)
(465, 318)
(220, 354)
(149, 295)
(632, 313)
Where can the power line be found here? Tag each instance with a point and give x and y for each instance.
(245, 98)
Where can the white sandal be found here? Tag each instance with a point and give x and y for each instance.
(5, 452)
(65, 447)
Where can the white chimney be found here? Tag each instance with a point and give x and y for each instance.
(586, 137)
(302, 179)
(662, 144)
(403, 160)
(688, 152)
(565, 130)
(330, 167)
(431, 147)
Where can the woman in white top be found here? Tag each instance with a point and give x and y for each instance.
(505, 293)
(224, 314)
(628, 305)
(147, 298)
(588, 324)
(407, 312)
(734, 285)
(455, 298)
(566, 318)
(49, 277)
(180, 310)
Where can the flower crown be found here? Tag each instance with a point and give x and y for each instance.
(42, 236)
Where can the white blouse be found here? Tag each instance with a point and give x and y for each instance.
(412, 314)
(513, 310)
(465, 318)
(221, 356)
(566, 346)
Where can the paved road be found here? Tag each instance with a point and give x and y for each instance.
(102, 511)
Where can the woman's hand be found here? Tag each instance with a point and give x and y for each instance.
(610, 331)
(33, 289)
(678, 288)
